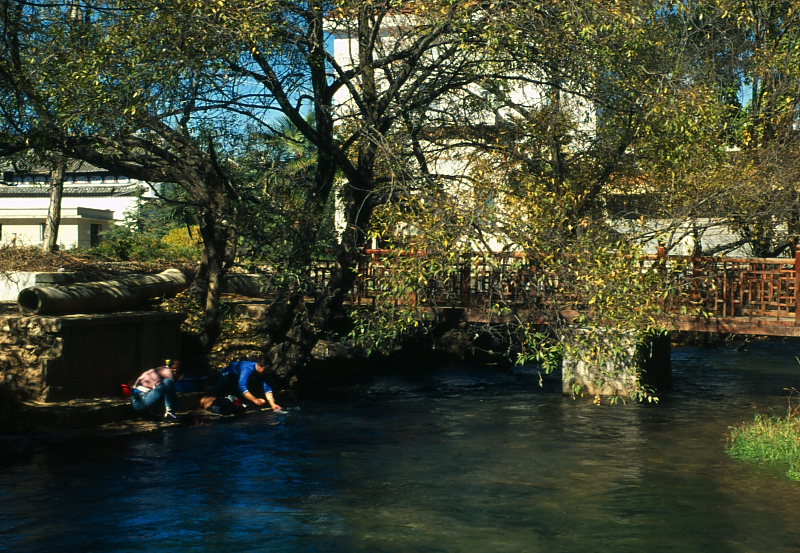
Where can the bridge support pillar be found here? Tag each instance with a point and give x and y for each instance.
(638, 363)
(655, 361)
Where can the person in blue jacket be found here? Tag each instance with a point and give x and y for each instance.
(248, 381)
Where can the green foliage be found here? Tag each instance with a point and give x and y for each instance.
(150, 234)
(735, 136)
(769, 440)
(126, 244)
(476, 137)
(275, 211)
(184, 239)
(380, 329)
(588, 283)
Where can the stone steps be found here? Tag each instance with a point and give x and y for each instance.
(84, 416)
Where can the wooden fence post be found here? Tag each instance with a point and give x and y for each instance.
(797, 286)
(362, 266)
(661, 267)
(464, 285)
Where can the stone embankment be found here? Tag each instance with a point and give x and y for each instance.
(60, 368)
(82, 355)
(87, 416)
(24, 342)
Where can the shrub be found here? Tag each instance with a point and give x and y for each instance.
(184, 238)
(125, 244)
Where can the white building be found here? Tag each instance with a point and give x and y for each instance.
(93, 201)
(451, 160)
(704, 231)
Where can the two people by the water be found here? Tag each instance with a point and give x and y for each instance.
(241, 384)
(155, 388)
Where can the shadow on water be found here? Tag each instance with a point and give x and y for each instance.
(457, 460)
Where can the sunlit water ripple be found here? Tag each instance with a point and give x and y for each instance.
(458, 460)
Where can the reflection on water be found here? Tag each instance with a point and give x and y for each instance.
(458, 461)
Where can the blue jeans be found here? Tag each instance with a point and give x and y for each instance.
(166, 390)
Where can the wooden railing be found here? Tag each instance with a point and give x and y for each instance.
(474, 283)
(742, 294)
(738, 287)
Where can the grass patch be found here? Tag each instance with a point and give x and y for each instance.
(769, 440)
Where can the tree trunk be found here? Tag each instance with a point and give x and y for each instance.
(296, 325)
(210, 185)
(215, 239)
(50, 241)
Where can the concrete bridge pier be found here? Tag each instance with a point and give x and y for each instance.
(637, 363)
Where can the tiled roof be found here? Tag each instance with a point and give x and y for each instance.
(122, 190)
(73, 166)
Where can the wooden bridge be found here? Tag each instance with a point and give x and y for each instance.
(741, 295)
(727, 295)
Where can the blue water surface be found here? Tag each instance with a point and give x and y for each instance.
(465, 459)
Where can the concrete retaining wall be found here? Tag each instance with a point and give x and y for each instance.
(246, 284)
(12, 282)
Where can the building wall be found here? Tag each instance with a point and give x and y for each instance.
(22, 232)
(92, 196)
(22, 217)
(120, 205)
(72, 233)
(83, 234)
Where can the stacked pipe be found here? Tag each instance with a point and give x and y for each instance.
(101, 296)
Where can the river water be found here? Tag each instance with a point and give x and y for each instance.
(449, 460)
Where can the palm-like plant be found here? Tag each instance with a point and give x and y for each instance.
(277, 173)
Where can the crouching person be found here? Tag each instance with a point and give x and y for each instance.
(156, 388)
(247, 380)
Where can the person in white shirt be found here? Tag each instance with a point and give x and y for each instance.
(155, 386)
